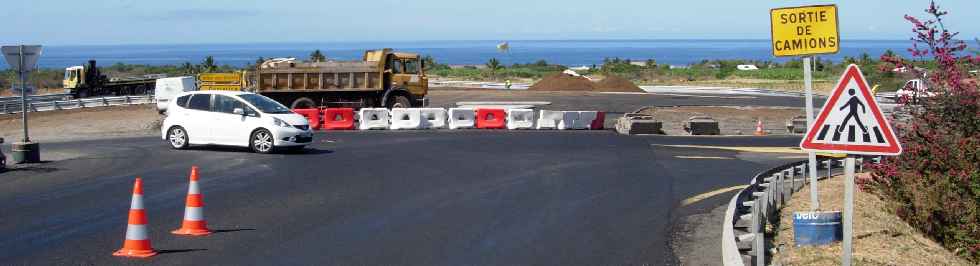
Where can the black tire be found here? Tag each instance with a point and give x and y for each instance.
(399, 102)
(262, 141)
(303, 103)
(177, 136)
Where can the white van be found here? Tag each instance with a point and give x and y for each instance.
(167, 88)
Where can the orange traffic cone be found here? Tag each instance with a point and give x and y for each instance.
(137, 238)
(194, 223)
(758, 128)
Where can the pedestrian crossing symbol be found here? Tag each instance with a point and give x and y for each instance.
(851, 122)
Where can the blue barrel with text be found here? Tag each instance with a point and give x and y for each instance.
(817, 228)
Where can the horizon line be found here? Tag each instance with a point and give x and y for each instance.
(454, 40)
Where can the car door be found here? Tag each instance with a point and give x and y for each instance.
(196, 119)
(231, 128)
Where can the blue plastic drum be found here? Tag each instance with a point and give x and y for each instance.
(817, 228)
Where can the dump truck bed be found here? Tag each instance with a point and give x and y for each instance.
(321, 76)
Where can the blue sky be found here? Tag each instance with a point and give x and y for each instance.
(68, 22)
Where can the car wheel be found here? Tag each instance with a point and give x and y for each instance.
(177, 137)
(400, 102)
(262, 141)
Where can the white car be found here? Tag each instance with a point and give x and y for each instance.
(233, 118)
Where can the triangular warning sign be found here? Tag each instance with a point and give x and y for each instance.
(851, 121)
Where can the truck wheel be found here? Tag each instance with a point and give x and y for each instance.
(399, 102)
(303, 103)
(262, 141)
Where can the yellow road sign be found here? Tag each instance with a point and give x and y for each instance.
(220, 88)
(220, 77)
(804, 30)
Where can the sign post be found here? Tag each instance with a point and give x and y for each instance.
(22, 59)
(806, 31)
(851, 122)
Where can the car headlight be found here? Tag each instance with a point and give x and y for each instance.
(280, 122)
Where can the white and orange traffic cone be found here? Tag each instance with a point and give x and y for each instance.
(137, 243)
(759, 131)
(194, 223)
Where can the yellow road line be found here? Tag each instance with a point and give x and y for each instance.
(741, 149)
(704, 157)
(709, 194)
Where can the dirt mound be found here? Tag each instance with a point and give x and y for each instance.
(617, 84)
(563, 82)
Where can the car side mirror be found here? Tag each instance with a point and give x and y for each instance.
(238, 111)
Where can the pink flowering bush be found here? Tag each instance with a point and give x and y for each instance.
(936, 179)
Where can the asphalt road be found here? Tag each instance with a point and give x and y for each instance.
(381, 197)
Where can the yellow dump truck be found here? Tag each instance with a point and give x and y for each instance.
(383, 78)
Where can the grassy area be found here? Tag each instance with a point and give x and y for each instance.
(880, 236)
(786, 76)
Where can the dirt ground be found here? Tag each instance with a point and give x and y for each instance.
(732, 120)
(84, 123)
(880, 237)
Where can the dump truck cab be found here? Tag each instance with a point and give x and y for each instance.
(404, 75)
(74, 77)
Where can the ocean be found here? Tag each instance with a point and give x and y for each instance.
(565, 52)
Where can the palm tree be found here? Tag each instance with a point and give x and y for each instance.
(188, 68)
(317, 56)
(493, 65)
(208, 65)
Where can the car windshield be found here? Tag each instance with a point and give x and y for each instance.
(264, 104)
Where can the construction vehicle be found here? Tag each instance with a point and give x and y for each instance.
(383, 78)
(87, 81)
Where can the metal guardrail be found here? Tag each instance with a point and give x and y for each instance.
(40, 106)
(38, 98)
(743, 232)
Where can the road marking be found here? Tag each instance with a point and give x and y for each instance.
(741, 149)
(710, 194)
(704, 157)
(793, 157)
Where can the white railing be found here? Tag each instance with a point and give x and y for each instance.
(10, 107)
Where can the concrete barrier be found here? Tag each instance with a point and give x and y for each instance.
(373, 118)
(433, 118)
(462, 118)
(549, 119)
(405, 118)
(520, 119)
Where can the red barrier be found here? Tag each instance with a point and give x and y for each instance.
(312, 115)
(491, 118)
(599, 122)
(338, 119)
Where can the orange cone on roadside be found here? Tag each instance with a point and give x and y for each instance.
(194, 223)
(137, 243)
(758, 128)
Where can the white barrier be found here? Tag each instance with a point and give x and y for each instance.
(462, 118)
(373, 118)
(567, 120)
(406, 118)
(520, 119)
(433, 117)
(549, 119)
(585, 119)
